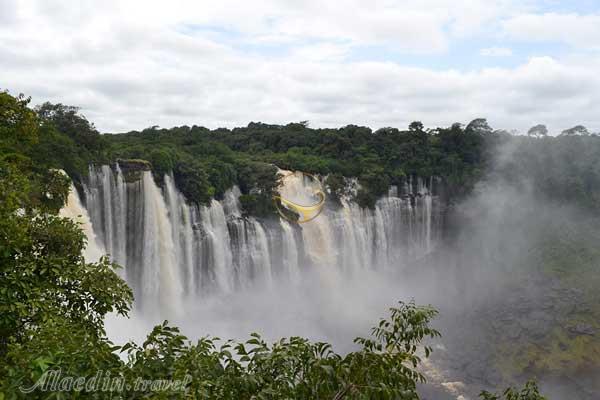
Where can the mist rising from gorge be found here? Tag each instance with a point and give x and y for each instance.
(488, 276)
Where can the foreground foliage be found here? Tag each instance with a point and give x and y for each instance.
(383, 367)
(43, 276)
(529, 392)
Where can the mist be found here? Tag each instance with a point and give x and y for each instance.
(488, 278)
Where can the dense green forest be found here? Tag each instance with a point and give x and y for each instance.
(205, 163)
(52, 303)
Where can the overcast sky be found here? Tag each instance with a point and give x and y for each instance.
(133, 64)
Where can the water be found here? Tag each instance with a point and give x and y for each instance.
(175, 252)
(210, 270)
(75, 211)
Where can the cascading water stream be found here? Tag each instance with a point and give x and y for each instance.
(160, 275)
(75, 211)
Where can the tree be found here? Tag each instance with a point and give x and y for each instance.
(18, 124)
(538, 131)
(258, 183)
(162, 163)
(529, 392)
(578, 130)
(388, 130)
(416, 126)
(385, 366)
(43, 276)
(336, 185)
(67, 120)
(478, 126)
(375, 181)
(192, 180)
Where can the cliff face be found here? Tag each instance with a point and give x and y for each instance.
(132, 168)
(173, 249)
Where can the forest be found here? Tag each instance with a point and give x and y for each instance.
(53, 303)
(205, 163)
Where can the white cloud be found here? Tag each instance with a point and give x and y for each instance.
(418, 25)
(135, 68)
(321, 52)
(496, 52)
(581, 31)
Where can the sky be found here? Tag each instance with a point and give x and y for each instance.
(134, 64)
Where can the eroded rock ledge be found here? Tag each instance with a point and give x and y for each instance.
(132, 168)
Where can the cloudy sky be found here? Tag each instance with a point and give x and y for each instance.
(133, 64)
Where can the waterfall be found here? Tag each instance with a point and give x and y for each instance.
(289, 257)
(217, 248)
(175, 251)
(106, 201)
(160, 275)
(75, 211)
(181, 217)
